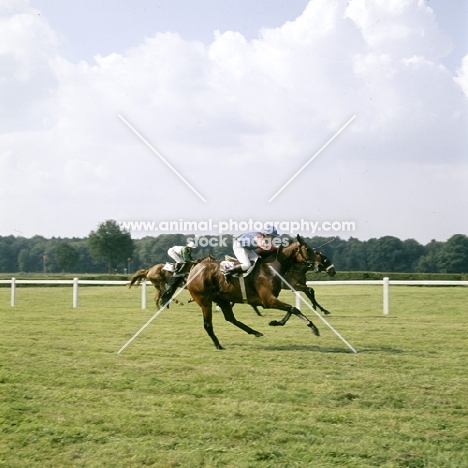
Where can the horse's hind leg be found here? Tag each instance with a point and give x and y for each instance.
(274, 303)
(310, 293)
(229, 316)
(308, 322)
(282, 322)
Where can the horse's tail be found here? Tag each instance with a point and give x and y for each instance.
(138, 277)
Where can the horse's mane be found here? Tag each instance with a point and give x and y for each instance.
(276, 253)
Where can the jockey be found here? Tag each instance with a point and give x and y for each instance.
(181, 254)
(249, 246)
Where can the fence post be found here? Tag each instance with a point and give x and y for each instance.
(298, 300)
(13, 292)
(75, 293)
(143, 295)
(386, 306)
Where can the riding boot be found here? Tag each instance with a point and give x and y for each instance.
(178, 268)
(232, 271)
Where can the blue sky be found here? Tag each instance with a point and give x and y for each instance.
(237, 96)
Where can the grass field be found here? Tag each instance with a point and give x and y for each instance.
(288, 399)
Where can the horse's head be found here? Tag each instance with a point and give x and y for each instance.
(306, 255)
(324, 264)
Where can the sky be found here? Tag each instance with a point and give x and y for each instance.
(322, 112)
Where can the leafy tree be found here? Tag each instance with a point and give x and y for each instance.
(385, 254)
(428, 262)
(348, 255)
(67, 256)
(413, 251)
(23, 260)
(111, 243)
(453, 256)
(8, 254)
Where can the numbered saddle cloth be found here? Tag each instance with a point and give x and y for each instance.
(169, 267)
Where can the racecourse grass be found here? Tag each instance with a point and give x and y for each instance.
(288, 399)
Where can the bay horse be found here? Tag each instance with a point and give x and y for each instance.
(163, 280)
(207, 284)
(296, 276)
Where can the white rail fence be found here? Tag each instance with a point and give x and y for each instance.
(385, 283)
(76, 282)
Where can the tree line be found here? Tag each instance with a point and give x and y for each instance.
(111, 249)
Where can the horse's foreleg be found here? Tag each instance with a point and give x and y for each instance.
(229, 317)
(208, 324)
(256, 310)
(157, 297)
(310, 293)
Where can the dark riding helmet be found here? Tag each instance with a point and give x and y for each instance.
(270, 230)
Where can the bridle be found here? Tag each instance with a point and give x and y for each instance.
(308, 263)
(329, 267)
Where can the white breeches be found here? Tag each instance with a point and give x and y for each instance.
(173, 254)
(244, 255)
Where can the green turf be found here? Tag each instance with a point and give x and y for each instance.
(288, 399)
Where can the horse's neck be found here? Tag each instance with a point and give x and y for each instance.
(285, 258)
(298, 268)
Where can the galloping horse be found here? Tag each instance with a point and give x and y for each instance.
(161, 278)
(297, 278)
(206, 284)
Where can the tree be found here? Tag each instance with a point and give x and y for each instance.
(23, 260)
(453, 256)
(111, 243)
(385, 254)
(428, 262)
(348, 255)
(66, 256)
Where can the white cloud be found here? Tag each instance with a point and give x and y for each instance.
(401, 28)
(462, 76)
(27, 44)
(237, 117)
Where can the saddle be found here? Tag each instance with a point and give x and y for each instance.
(172, 267)
(230, 262)
(169, 267)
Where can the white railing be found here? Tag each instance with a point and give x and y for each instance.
(385, 283)
(75, 282)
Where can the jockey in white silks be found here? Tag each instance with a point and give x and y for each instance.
(181, 254)
(249, 246)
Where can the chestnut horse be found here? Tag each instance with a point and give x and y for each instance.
(164, 280)
(297, 278)
(207, 284)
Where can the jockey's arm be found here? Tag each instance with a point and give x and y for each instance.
(187, 254)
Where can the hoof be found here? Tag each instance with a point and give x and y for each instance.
(258, 334)
(274, 323)
(220, 348)
(314, 329)
(326, 312)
